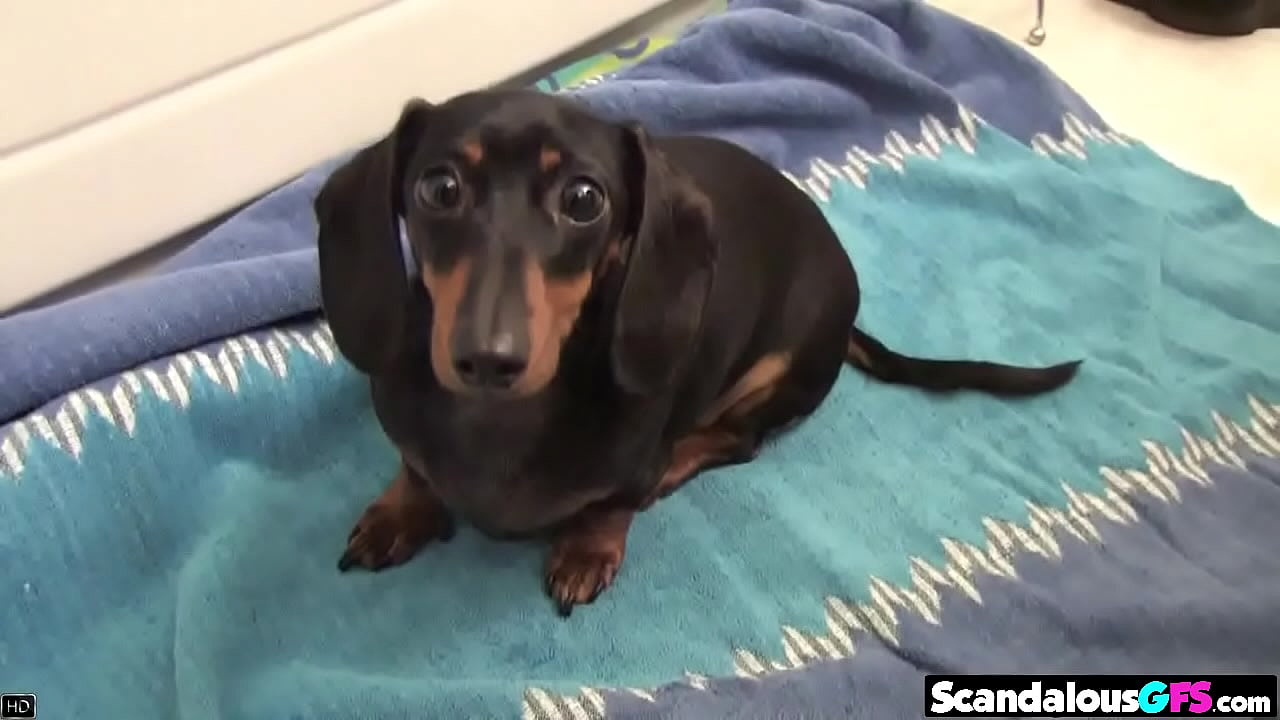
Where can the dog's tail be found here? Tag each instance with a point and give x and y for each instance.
(872, 357)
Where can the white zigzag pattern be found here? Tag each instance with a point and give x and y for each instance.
(1041, 533)
(63, 426)
(1076, 134)
(935, 136)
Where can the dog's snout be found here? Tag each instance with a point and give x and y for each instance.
(492, 347)
(496, 364)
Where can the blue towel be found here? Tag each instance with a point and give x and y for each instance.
(168, 535)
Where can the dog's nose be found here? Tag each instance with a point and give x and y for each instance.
(497, 365)
(491, 370)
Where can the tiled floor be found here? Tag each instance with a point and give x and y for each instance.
(1201, 102)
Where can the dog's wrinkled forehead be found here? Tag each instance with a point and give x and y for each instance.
(497, 128)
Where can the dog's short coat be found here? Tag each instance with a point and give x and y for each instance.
(596, 316)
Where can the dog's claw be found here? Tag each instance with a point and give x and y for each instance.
(390, 535)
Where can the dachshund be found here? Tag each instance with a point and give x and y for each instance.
(565, 318)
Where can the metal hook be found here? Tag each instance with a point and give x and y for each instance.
(1037, 34)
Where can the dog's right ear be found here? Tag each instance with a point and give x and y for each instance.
(363, 285)
(668, 272)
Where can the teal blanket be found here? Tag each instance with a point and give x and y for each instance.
(168, 535)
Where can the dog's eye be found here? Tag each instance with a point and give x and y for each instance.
(439, 189)
(582, 201)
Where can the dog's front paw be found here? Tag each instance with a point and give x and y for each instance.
(577, 575)
(389, 533)
(585, 558)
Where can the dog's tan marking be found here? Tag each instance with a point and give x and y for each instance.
(749, 402)
(446, 291)
(754, 387)
(554, 304)
(692, 454)
(473, 151)
(549, 159)
(855, 354)
(716, 440)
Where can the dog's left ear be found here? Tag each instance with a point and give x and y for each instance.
(669, 269)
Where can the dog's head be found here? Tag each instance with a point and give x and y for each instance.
(516, 205)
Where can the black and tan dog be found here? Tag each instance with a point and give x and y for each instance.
(598, 316)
